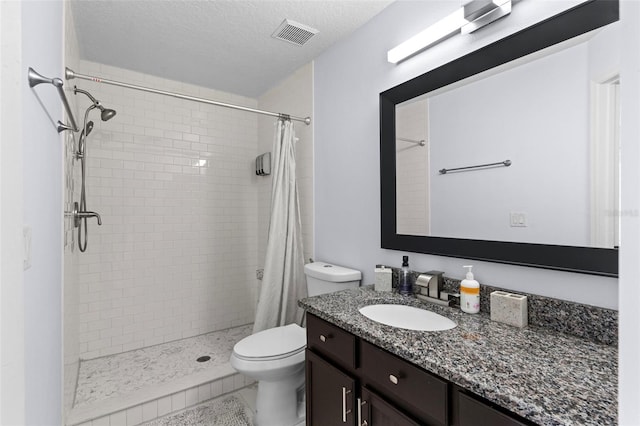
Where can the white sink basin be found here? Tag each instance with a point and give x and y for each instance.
(407, 317)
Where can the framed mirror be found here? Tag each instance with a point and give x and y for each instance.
(509, 154)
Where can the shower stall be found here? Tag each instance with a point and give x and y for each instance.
(184, 222)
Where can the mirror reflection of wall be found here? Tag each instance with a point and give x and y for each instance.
(605, 163)
(560, 189)
(412, 172)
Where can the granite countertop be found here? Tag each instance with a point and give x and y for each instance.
(547, 377)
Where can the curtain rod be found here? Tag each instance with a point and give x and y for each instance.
(70, 74)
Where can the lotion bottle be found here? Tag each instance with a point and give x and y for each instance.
(470, 293)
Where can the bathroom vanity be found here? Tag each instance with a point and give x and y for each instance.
(360, 372)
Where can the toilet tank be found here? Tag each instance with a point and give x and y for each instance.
(326, 278)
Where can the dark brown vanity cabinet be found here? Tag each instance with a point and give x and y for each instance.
(376, 410)
(471, 411)
(336, 398)
(329, 393)
(351, 382)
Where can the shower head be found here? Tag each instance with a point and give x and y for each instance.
(106, 113)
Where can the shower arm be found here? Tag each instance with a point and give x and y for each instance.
(87, 94)
(69, 74)
(35, 79)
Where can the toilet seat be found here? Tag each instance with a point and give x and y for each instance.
(272, 344)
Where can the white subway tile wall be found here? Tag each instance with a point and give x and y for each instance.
(175, 185)
(71, 345)
(293, 95)
(413, 173)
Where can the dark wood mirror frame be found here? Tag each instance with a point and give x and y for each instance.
(573, 22)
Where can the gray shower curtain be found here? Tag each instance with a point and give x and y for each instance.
(283, 282)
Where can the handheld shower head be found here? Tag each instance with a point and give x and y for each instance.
(89, 128)
(83, 138)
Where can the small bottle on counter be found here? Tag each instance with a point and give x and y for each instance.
(470, 293)
(405, 283)
(383, 278)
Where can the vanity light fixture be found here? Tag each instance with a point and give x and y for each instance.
(479, 13)
(469, 18)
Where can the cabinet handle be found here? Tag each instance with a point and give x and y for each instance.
(393, 379)
(361, 402)
(324, 338)
(345, 391)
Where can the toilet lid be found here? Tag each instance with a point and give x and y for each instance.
(278, 342)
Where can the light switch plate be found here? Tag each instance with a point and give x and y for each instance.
(26, 232)
(518, 219)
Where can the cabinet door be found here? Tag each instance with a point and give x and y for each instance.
(330, 393)
(473, 412)
(375, 411)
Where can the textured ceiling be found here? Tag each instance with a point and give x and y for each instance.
(220, 44)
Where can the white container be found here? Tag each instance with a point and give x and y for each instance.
(383, 279)
(470, 294)
(509, 308)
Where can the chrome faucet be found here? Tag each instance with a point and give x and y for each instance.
(78, 215)
(429, 288)
(430, 284)
(84, 215)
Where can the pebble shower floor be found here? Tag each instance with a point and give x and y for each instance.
(149, 383)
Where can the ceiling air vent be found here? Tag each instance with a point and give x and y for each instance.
(294, 32)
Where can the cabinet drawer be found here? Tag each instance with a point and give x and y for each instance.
(476, 413)
(406, 385)
(332, 341)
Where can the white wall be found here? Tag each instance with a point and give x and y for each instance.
(12, 374)
(294, 96)
(134, 286)
(348, 79)
(174, 183)
(539, 119)
(42, 177)
(629, 320)
(412, 173)
(71, 297)
(538, 104)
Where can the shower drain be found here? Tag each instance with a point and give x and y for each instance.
(204, 358)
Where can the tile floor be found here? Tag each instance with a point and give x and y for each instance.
(153, 382)
(235, 409)
(126, 373)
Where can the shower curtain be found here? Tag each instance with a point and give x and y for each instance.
(283, 281)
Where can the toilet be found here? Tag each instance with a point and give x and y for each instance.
(275, 357)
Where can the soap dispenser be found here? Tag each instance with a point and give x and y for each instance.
(405, 283)
(470, 293)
